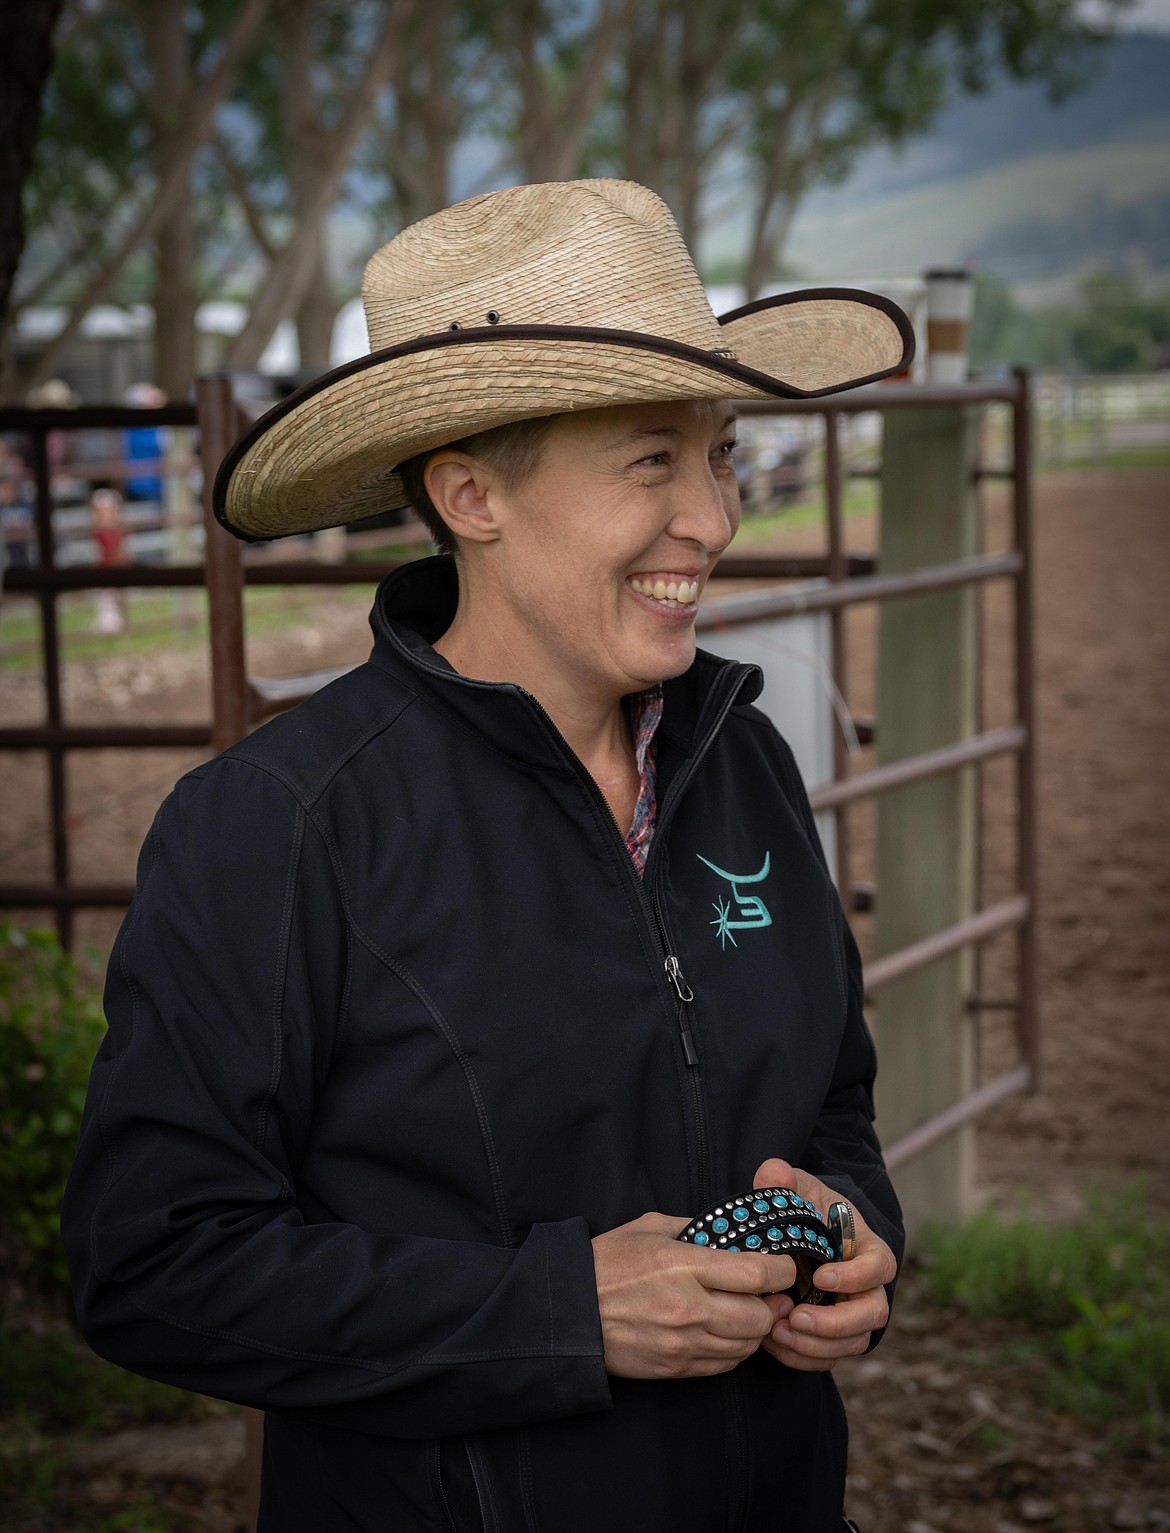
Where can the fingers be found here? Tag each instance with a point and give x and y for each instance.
(738, 1317)
(775, 1172)
(872, 1266)
(872, 1263)
(673, 1311)
(796, 1360)
(743, 1272)
(812, 1335)
(669, 1225)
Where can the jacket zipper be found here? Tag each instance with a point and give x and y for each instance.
(684, 995)
(682, 992)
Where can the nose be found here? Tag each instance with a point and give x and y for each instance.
(706, 510)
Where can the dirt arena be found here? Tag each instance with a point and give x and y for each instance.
(1100, 1120)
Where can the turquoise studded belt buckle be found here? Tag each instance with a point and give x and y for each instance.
(776, 1222)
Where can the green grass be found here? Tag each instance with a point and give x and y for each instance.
(1094, 1297)
(1140, 455)
(154, 621)
(860, 499)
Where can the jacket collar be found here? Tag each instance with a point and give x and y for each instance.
(415, 605)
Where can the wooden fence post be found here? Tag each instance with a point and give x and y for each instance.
(224, 572)
(927, 696)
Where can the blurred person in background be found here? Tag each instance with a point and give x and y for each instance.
(145, 445)
(109, 533)
(17, 516)
(438, 1013)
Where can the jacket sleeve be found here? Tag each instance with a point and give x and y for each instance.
(190, 1259)
(843, 1148)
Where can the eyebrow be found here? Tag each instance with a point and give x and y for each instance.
(674, 432)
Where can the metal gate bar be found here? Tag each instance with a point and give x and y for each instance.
(852, 579)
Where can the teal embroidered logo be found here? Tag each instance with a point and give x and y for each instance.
(742, 912)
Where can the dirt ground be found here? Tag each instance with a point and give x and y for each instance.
(943, 1438)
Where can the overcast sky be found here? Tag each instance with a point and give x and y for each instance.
(1145, 14)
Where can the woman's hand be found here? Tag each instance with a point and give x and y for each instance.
(813, 1337)
(674, 1311)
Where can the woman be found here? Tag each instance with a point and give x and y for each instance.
(437, 1011)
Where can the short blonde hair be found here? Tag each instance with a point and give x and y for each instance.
(513, 451)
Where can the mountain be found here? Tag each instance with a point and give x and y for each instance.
(1034, 192)
(1125, 100)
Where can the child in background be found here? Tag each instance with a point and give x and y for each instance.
(109, 533)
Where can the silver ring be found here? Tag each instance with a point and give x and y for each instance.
(840, 1217)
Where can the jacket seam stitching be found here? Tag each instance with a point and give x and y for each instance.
(368, 1364)
(307, 795)
(551, 1316)
(451, 717)
(103, 1126)
(281, 977)
(487, 1138)
(408, 979)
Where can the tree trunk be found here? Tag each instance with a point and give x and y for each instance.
(25, 64)
(175, 296)
(439, 119)
(528, 24)
(307, 152)
(575, 112)
(292, 272)
(316, 315)
(173, 175)
(770, 232)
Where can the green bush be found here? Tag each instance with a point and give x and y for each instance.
(50, 1027)
(1094, 1295)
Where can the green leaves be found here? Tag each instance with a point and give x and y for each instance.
(50, 1027)
(1093, 1295)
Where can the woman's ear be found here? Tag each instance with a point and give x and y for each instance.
(458, 485)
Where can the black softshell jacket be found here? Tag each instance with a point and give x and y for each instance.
(392, 1035)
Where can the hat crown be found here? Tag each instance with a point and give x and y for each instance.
(601, 253)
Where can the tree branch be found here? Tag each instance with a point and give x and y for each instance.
(238, 184)
(191, 134)
(292, 271)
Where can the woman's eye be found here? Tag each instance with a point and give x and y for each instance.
(727, 449)
(656, 459)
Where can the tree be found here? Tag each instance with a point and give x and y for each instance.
(189, 143)
(170, 87)
(825, 81)
(1116, 329)
(24, 68)
(171, 165)
(320, 152)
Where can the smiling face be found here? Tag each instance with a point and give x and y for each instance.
(586, 576)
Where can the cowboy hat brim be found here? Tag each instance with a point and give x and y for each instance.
(326, 455)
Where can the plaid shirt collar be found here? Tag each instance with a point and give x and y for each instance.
(645, 716)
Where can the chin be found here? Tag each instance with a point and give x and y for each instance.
(665, 664)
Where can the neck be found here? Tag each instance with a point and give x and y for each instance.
(482, 644)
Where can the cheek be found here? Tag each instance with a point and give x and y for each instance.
(731, 506)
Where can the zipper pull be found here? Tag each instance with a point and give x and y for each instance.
(675, 975)
(684, 993)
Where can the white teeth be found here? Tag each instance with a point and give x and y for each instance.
(679, 593)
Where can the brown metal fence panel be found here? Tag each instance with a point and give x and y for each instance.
(851, 580)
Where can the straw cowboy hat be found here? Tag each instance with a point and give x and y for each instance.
(533, 301)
